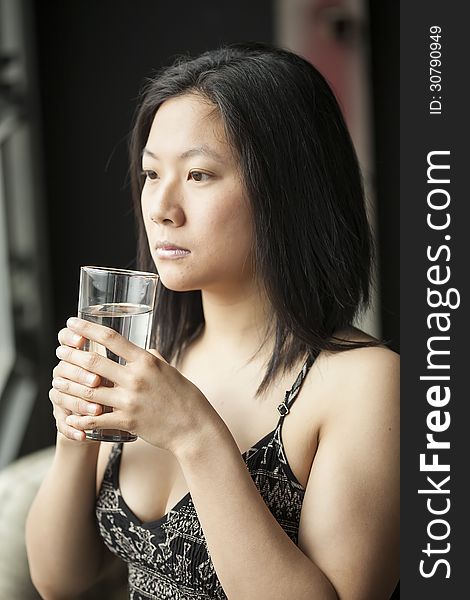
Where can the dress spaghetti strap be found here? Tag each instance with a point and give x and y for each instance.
(291, 395)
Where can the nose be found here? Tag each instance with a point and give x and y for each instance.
(163, 204)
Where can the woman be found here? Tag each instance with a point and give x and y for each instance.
(250, 208)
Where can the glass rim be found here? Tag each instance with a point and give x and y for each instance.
(116, 271)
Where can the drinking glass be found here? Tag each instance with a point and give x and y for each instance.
(123, 300)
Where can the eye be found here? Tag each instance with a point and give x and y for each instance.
(148, 174)
(198, 176)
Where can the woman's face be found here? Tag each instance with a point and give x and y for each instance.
(193, 198)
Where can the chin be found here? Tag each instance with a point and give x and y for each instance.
(177, 284)
(180, 288)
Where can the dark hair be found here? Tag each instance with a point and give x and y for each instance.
(312, 241)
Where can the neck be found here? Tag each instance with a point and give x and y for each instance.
(236, 323)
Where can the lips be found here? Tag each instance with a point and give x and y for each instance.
(166, 245)
(166, 249)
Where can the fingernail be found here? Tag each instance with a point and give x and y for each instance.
(76, 339)
(73, 322)
(77, 435)
(61, 352)
(90, 379)
(92, 409)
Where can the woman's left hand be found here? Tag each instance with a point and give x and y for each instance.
(150, 398)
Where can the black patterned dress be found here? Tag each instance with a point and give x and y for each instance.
(168, 559)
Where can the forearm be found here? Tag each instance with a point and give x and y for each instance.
(253, 557)
(65, 552)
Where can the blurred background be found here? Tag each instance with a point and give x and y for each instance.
(70, 73)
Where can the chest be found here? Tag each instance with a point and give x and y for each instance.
(151, 480)
(153, 549)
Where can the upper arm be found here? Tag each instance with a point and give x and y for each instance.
(350, 517)
(102, 462)
(109, 560)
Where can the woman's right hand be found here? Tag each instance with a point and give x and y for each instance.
(64, 404)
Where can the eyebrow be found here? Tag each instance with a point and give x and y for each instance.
(203, 150)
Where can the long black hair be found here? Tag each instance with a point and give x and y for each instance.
(312, 240)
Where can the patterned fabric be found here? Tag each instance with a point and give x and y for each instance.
(168, 559)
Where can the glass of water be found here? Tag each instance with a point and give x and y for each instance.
(123, 300)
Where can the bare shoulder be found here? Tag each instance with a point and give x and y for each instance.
(356, 375)
(361, 369)
(367, 392)
(350, 515)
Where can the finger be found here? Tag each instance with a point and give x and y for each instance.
(63, 428)
(67, 337)
(59, 413)
(73, 404)
(95, 397)
(93, 363)
(109, 420)
(70, 432)
(107, 337)
(65, 370)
